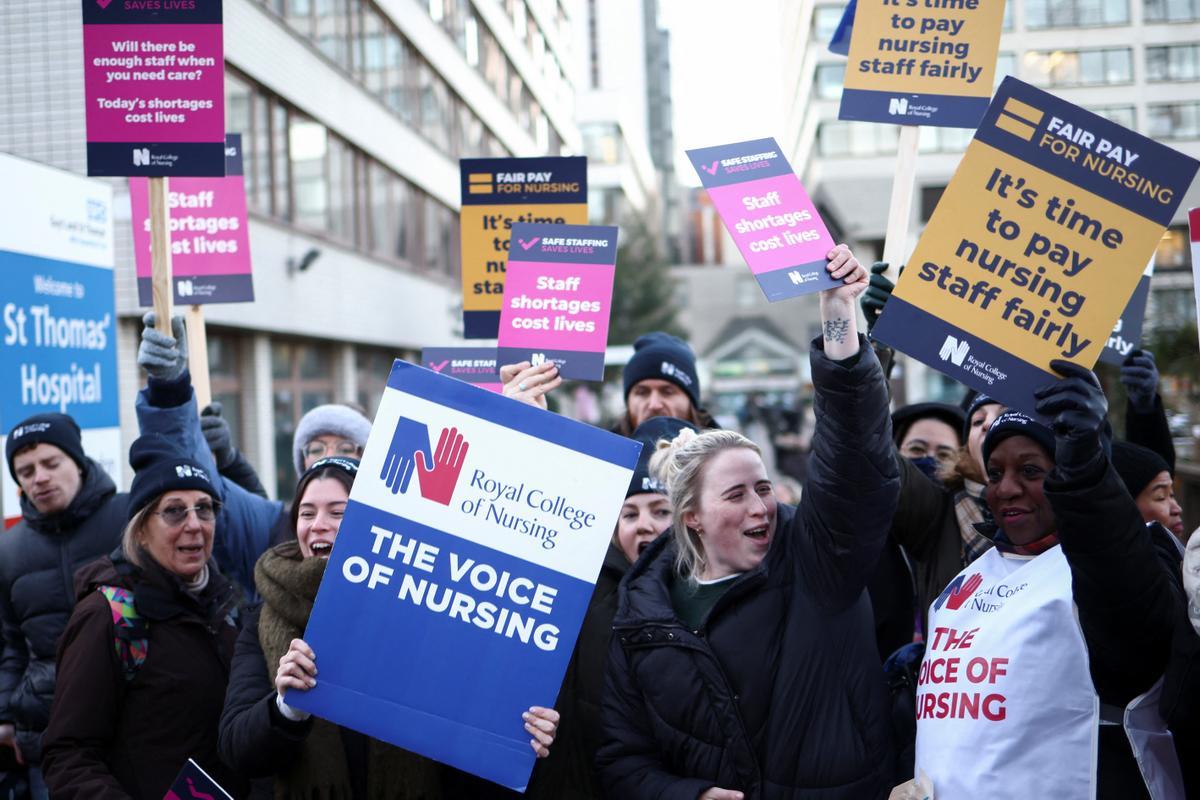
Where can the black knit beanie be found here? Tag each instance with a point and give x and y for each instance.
(1014, 423)
(1137, 466)
(649, 433)
(664, 357)
(56, 429)
(159, 467)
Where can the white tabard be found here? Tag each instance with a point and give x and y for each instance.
(1006, 707)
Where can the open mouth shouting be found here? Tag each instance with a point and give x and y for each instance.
(320, 548)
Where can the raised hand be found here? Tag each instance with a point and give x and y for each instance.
(439, 479)
(1077, 407)
(163, 357)
(1139, 375)
(879, 290)
(216, 434)
(410, 437)
(530, 384)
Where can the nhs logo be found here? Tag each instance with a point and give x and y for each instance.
(898, 106)
(141, 156)
(954, 350)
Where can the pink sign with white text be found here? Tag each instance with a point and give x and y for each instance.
(154, 87)
(771, 218)
(557, 297)
(210, 239)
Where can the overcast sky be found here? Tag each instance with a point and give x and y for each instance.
(725, 62)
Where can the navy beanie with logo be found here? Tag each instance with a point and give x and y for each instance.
(1014, 423)
(56, 429)
(664, 357)
(159, 467)
(649, 433)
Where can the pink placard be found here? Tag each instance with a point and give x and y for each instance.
(557, 297)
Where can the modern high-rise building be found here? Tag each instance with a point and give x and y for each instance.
(354, 114)
(1136, 62)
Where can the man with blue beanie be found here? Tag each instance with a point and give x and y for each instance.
(661, 381)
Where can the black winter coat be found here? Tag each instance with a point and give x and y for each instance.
(779, 693)
(1126, 586)
(113, 739)
(38, 558)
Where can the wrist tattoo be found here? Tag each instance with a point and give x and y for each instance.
(835, 330)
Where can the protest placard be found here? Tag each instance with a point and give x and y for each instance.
(210, 240)
(498, 193)
(558, 298)
(193, 783)
(154, 88)
(1127, 333)
(1036, 245)
(58, 343)
(475, 365)
(769, 215)
(465, 561)
(839, 42)
(1194, 235)
(922, 62)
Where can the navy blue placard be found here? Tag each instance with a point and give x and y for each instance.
(480, 324)
(839, 43)
(568, 244)
(912, 109)
(1034, 130)
(1127, 333)
(148, 160)
(726, 164)
(567, 175)
(151, 12)
(966, 358)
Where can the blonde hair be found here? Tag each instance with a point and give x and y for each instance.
(130, 545)
(678, 463)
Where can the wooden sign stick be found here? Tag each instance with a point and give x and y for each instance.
(198, 356)
(900, 210)
(160, 255)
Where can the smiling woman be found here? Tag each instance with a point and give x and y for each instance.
(151, 619)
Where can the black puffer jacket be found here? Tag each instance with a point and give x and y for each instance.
(38, 559)
(780, 693)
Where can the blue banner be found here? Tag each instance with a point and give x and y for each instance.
(464, 564)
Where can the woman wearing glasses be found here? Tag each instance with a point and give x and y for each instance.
(144, 660)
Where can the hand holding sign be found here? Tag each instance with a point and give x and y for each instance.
(844, 267)
(1078, 408)
(409, 438)
(1139, 376)
(439, 479)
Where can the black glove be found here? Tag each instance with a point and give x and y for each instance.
(217, 435)
(1140, 378)
(879, 289)
(1078, 408)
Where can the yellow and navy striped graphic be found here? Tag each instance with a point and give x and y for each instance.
(1019, 119)
(479, 183)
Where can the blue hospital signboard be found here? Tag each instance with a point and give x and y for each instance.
(58, 347)
(464, 564)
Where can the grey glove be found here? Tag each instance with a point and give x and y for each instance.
(163, 357)
(217, 435)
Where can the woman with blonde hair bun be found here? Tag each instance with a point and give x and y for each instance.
(743, 659)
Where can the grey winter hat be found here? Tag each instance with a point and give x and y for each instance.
(334, 419)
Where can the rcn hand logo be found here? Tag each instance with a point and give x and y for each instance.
(409, 451)
(958, 592)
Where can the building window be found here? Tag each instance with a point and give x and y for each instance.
(373, 366)
(825, 22)
(1172, 10)
(1173, 121)
(302, 379)
(1125, 116)
(225, 383)
(1074, 13)
(308, 149)
(936, 139)
(930, 195)
(1006, 64)
(1079, 67)
(1177, 62)
(827, 81)
(1174, 250)
(856, 139)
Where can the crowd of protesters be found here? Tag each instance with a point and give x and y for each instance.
(741, 641)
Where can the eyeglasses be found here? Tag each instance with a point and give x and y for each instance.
(176, 515)
(342, 448)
